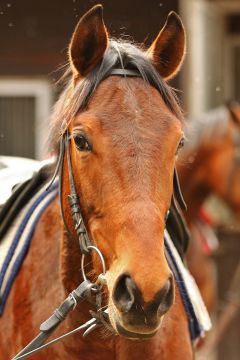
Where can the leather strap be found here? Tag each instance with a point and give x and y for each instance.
(47, 327)
(125, 73)
(73, 200)
(177, 191)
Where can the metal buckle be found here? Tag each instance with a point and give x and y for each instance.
(101, 278)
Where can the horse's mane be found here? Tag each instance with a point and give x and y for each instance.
(120, 54)
(205, 127)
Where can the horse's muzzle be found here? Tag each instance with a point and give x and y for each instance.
(134, 316)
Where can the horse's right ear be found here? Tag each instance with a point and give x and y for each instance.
(89, 42)
(168, 49)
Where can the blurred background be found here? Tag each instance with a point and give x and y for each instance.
(34, 36)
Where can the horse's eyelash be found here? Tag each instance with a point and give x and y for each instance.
(76, 133)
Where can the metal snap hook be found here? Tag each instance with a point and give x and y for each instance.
(91, 247)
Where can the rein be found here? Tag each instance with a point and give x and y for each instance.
(87, 289)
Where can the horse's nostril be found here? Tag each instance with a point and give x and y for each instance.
(166, 296)
(124, 293)
(128, 299)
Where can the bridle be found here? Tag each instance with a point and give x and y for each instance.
(86, 289)
(73, 198)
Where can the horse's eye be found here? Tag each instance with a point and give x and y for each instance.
(181, 144)
(82, 143)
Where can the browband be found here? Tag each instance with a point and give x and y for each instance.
(125, 72)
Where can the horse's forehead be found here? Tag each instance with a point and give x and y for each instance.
(128, 95)
(121, 104)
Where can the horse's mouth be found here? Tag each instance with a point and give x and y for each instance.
(132, 335)
(131, 332)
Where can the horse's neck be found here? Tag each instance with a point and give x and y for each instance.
(70, 262)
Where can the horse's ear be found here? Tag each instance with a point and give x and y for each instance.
(168, 49)
(89, 42)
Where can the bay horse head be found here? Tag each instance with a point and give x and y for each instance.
(124, 134)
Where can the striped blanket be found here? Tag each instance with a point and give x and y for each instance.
(14, 246)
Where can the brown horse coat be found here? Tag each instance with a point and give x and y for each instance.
(124, 135)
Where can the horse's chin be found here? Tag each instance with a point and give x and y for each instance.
(134, 335)
(140, 333)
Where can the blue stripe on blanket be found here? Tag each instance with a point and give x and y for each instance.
(194, 325)
(52, 193)
(198, 318)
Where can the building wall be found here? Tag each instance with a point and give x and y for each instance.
(34, 37)
(208, 78)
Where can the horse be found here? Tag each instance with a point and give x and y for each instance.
(121, 126)
(210, 164)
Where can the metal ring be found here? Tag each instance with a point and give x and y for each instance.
(91, 247)
(74, 300)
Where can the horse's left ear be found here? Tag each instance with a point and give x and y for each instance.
(89, 42)
(168, 49)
